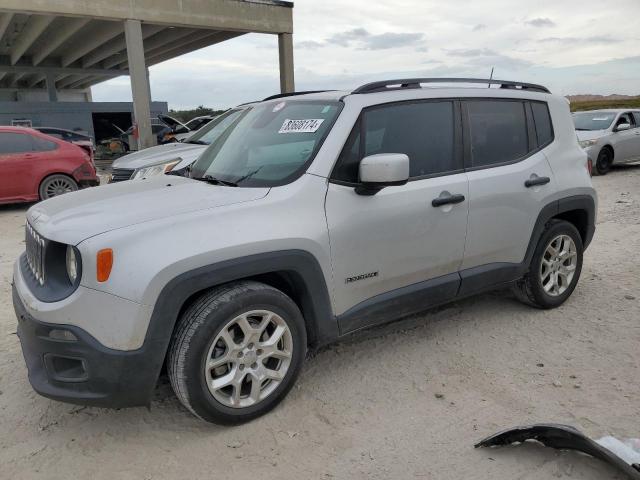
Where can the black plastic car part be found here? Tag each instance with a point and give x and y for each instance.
(560, 437)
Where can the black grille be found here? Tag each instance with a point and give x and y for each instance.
(121, 174)
(35, 244)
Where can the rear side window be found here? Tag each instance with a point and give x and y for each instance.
(498, 131)
(636, 116)
(14, 143)
(542, 120)
(42, 145)
(424, 131)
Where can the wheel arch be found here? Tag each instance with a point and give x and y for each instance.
(579, 210)
(295, 272)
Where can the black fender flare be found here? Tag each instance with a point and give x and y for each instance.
(576, 202)
(302, 267)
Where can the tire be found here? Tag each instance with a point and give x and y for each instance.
(221, 368)
(603, 162)
(537, 288)
(55, 185)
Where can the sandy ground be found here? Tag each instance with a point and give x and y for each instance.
(404, 401)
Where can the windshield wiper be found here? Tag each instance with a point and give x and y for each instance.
(197, 142)
(215, 181)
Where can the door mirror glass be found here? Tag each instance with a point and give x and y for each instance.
(622, 127)
(382, 170)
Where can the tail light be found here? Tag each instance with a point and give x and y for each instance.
(86, 169)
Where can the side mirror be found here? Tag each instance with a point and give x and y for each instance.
(622, 127)
(382, 170)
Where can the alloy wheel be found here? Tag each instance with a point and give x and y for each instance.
(248, 359)
(558, 265)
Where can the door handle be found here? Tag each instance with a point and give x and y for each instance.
(535, 180)
(447, 199)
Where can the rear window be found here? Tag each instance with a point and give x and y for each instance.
(542, 120)
(498, 131)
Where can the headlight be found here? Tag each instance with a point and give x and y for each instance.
(587, 143)
(158, 169)
(72, 264)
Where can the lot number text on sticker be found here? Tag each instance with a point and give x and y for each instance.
(301, 126)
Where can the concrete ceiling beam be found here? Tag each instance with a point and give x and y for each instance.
(57, 38)
(99, 36)
(34, 27)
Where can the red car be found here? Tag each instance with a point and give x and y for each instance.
(35, 166)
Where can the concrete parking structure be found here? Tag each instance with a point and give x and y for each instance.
(74, 44)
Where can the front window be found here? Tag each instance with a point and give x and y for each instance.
(269, 145)
(589, 121)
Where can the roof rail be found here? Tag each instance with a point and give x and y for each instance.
(383, 85)
(293, 94)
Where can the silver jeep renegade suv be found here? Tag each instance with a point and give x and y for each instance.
(312, 217)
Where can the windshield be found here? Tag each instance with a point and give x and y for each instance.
(216, 127)
(268, 145)
(593, 120)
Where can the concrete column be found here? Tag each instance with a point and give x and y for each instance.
(285, 50)
(139, 83)
(51, 87)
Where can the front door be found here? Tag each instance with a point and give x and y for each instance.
(395, 251)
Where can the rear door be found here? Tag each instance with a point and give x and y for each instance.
(635, 153)
(16, 159)
(394, 248)
(510, 180)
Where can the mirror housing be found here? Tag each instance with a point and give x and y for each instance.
(622, 127)
(382, 170)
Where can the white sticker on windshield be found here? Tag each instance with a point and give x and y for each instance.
(301, 126)
(600, 119)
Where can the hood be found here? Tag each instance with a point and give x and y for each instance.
(170, 121)
(159, 154)
(590, 134)
(76, 216)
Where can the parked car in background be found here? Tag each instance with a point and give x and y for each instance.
(84, 141)
(193, 126)
(609, 136)
(173, 156)
(35, 166)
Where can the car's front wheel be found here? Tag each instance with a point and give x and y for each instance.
(237, 352)
(555, 267)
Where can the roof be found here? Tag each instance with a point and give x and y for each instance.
(610, 110)
(81, 43)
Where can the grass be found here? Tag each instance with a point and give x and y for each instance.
(600, 104)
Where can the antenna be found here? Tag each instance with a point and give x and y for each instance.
(490, 78)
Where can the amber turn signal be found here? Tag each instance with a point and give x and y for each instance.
(104, 264)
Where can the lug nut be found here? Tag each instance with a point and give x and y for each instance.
(242, 367)
(251, 346)
(259, 351)
(254, 365)
(240, 354)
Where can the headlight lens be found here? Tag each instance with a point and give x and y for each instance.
(587, 143)
(157, 169)
(72, 264)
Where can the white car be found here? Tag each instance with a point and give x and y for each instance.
(609, 136)
(173, 156)
(315, 216)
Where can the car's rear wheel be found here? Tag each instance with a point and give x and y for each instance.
(237, 352)
(55, 185)
(603, 162)
(555, 267)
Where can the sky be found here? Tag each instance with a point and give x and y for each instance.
(570, 46)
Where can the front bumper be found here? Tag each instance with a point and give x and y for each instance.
(83, 371)
(93, 182)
